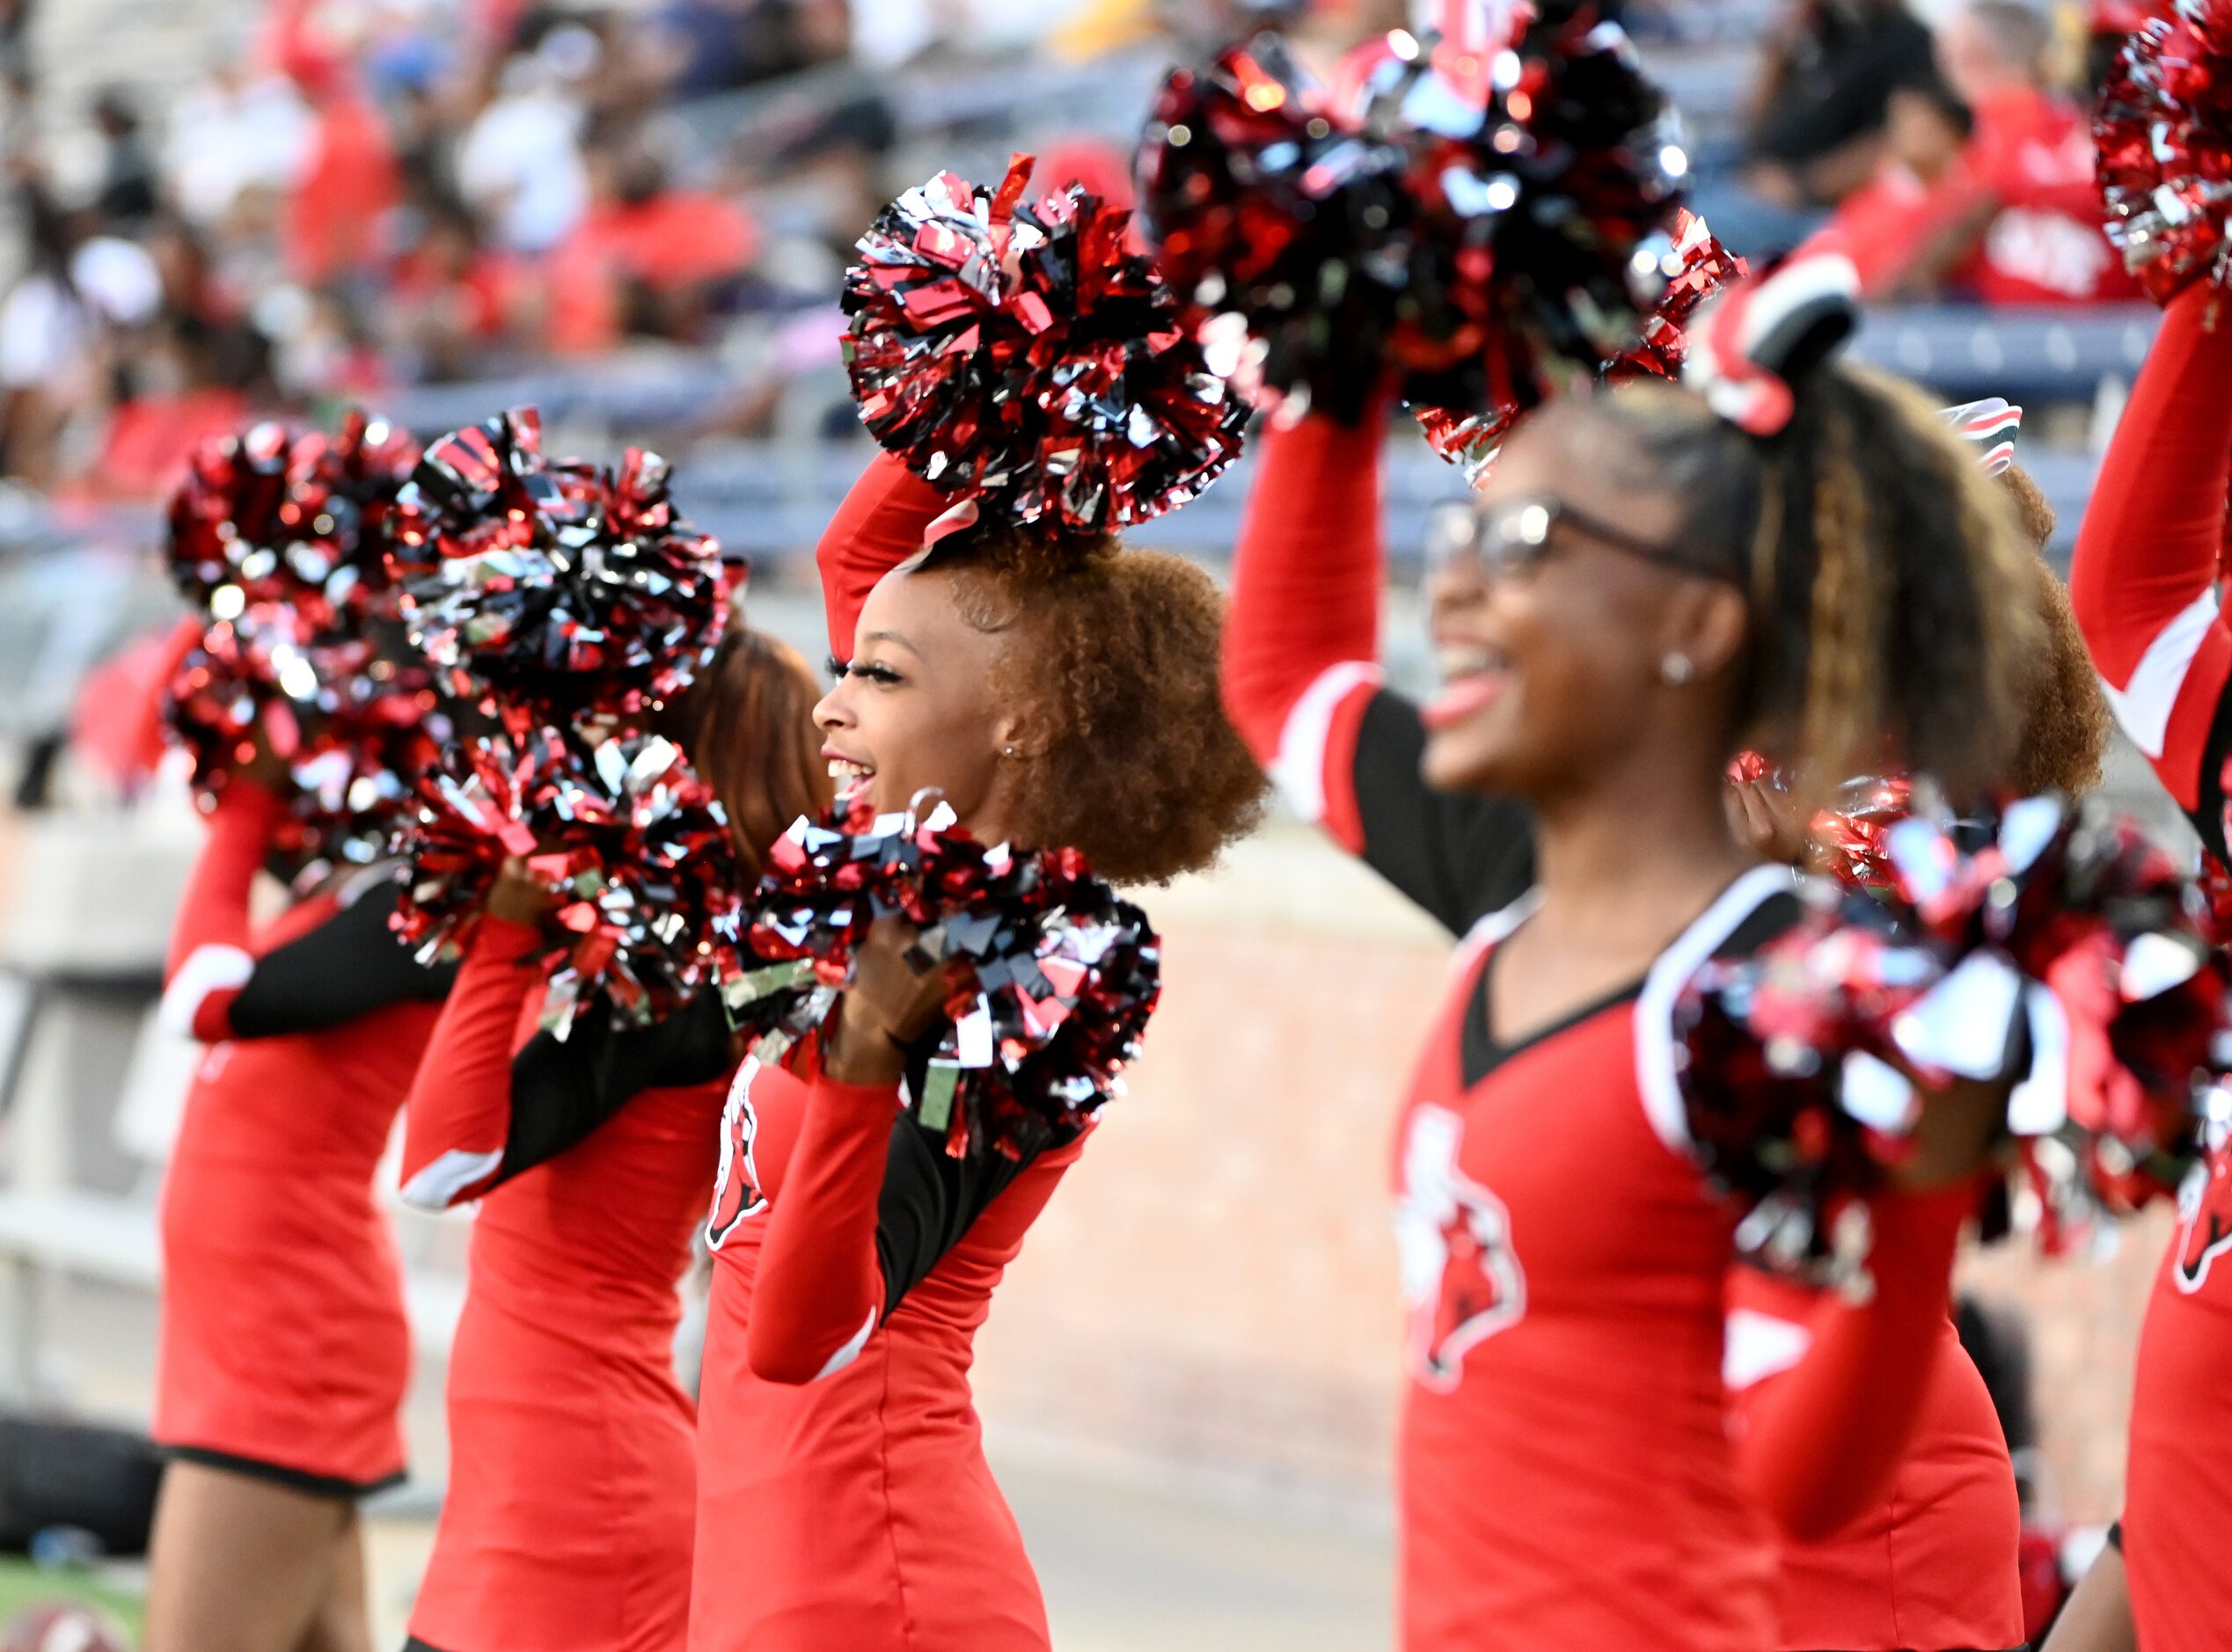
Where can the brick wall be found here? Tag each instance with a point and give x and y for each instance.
(1213, 1294)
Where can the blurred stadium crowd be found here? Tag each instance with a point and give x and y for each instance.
(345, 198)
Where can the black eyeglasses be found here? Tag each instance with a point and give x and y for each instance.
(1512, 537)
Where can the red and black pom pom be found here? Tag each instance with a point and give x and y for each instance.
(1485, 235)
(563, 586)
(1053, 976)
(1024, 354)
(633, 841)
(2163, 129)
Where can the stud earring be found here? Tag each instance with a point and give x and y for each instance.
(1676, 668)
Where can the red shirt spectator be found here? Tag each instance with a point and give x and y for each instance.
(668, 243)
(350, 180)
(1887, 226)
(2022, 222)
(2032, 158)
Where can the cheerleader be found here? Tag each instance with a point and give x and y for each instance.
(566, 1524)
(1567, 1473)
(1056, 691)
(283, 1353)
(2145, 586)
(1933, 1566)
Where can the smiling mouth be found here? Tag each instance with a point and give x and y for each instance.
(1473, 677)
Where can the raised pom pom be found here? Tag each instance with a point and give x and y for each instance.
(568, 588)
(1480, 225)
(353, 727)
(1053, 977)
(2164, 128)
(633, 841)
(266, 516)
(1025, 353)
(1692, 264)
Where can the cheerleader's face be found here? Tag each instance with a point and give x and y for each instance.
(1551, 635)
(917, 707)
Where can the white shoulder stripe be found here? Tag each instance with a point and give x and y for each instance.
(2143, 705)
(1497, 926)
(207, 969)
(437, 1187)
(1655, 1073)
(1758, 1346)
(1299, 771)
(851, 1351)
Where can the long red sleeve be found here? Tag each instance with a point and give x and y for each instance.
(878, 526)
(819, 1290)
(2144, 581)
(1825, 1441)
(210, 959)
(1302, 631)
(459, 1114)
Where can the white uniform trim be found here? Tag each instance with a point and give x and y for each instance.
(1758, 1346)
(851, 1351)
(1299, 769)
(2143, 705)
(207, 969)
(437, 1187)
(1655, 1074)
(1497, 926)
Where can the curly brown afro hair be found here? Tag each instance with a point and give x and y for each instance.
(2066, 717)
(1114, 653)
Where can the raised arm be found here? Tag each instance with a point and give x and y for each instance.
(869, 1203)
(879, 526)
(209, 961)
(2144, 583)
(217, 987)
(1821, 1445)
(1302, 682)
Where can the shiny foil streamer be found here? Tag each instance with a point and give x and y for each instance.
(1025, 353)
(1053, 976)
(1693, 265)
(2163, 127)
(1487, 235)
(633, 839)
(271, 516)
(563, 586)
(2059, 938)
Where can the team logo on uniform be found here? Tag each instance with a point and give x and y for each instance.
(737, 1193)
(2204, 1211)
(1460, 1276)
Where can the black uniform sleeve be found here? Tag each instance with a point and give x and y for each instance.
(349, 966)
(1460, 858)
(562, 1090)
(929, 1202)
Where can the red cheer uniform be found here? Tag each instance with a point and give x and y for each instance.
(283, 1351)
(2145, 589)
(843, 1496)
(1936, 1563)
(567, 1525)
(1568, 1474)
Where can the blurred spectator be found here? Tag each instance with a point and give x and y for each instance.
(75, 290)
(236, 131)
(646, 260)
(187, 390)
(2020, 216)
(1888, 224)
(1828, 68)
(126, 192)
(453, 298)
(720, 45)
(520, 163)
(339, 201)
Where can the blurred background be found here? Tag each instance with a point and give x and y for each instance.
(635, 215)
